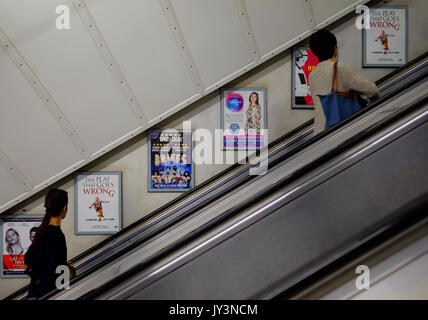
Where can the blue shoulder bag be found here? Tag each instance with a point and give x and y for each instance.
(338, 105)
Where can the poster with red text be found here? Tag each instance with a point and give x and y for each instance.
(98, 202)
(304, 61)
(17, 234)
(385, 44)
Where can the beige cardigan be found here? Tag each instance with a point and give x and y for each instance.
(349, 79)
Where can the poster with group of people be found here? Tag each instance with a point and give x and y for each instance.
(170, 160)
(244, 118)
(17, 233)
(98, 198)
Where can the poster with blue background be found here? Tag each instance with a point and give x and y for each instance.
(170, 157)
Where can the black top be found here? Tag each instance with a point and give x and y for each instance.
(43, 259)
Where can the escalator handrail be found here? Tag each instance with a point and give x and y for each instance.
(236, 165)
(370, 131)
(226, 171)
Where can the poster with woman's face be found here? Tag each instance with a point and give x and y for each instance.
(17, 233)
(304, 61)
(244, 118)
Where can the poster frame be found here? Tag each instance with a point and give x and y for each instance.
(22, 217)
(293, 81)
(76, 203)
(406, 36)
(265, 122)
(149, 162)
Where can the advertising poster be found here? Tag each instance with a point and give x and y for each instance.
(17, 234)
(304, 61)
(98, 202)
(243, 118)
(385, 44)
(170, 160)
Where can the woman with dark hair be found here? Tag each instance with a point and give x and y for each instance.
(324, 45)
(48, 250)
(254, 114)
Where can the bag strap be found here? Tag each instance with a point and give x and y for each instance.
(335, 85)
(335, 80)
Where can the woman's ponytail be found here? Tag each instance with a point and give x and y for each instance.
(55, 201)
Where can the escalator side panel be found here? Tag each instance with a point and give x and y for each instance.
(331, 217)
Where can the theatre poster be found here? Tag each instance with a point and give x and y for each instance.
(243, 118)
(385, 44)
(17, 234)
(171, 167)
(98, 202)
(304, 61)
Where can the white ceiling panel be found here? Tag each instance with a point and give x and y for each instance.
(140, 39)
(276, 22)
(69, 65)
(215, 37)
(9, 188)
(324, 10)
(29, 135)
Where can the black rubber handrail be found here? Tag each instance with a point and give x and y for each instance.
(397, 71)
(253, 201)
(164, 207)
(225, 172)
(236, 165)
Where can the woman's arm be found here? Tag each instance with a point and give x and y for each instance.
(349, 77)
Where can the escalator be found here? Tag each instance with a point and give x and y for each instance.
(208, 243)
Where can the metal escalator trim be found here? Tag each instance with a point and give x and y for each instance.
(137, 244)
(230, 169)
(285, 141)
(399, 70)
(233, 167)
(239, 208)
(398, 229)
(189, 193)
(199, 188)
(255, 214)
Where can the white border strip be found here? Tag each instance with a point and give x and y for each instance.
(44, 95)
(114, 69)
